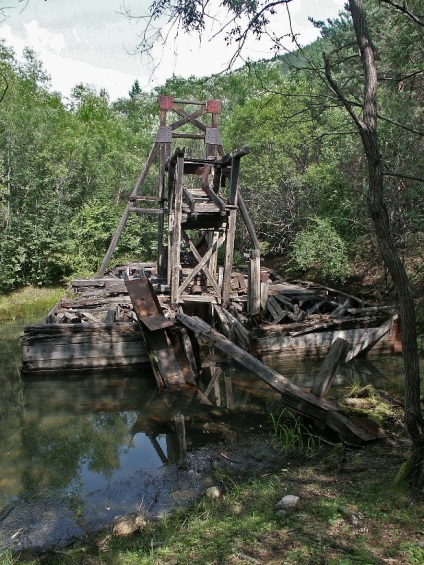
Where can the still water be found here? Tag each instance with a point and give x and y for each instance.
(77, 451)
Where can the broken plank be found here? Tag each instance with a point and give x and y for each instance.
(240, 330)
(329, 368)
(275, 305)
(292, 396)
(371, 339)
(340, 310)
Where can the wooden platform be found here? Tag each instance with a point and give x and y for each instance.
(96, 327)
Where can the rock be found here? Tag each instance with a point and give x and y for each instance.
(213, 492)
(127, 525)
(288, 502)
(351, 513)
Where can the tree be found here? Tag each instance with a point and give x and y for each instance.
(247, 17)
(367, 128)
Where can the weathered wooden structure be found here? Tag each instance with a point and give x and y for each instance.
(128, 316)
(196, 206)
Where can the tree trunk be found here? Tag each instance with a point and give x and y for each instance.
(368, 132)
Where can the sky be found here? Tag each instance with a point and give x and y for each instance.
(93, 42)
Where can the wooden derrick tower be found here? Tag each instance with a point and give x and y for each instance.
(196, 206)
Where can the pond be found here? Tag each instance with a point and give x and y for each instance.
(79, 450)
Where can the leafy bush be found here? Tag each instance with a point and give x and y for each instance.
(319, 246)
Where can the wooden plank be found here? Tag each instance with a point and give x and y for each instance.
(84, 363)
(370, 339)
(264, 294)
(82, 350)
(176, 242)
(272, 310)
(223, 320)
(313, 344)
(329, 368)
(126, 213)
(275, 305)
(228, 258)
(339, 312)
(284, 300)
(240, 330)
(279, 318)
(292, 396)
(254, 296)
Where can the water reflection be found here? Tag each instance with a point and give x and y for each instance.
(79, 450)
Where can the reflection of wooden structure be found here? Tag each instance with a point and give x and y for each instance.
(199, 197)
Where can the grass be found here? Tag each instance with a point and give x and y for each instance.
(28, 303)
(291, 436)
(348, 514)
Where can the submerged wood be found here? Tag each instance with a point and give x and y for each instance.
(292, 396)
(330, 367)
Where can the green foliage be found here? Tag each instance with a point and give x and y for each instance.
(66, 169)
(319, 246)
(291, 436)
(6, 557)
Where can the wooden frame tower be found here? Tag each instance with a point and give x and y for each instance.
(196, 205)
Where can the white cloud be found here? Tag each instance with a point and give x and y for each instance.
(41, 39)
(89, 42)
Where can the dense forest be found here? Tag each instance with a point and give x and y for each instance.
(67, 166)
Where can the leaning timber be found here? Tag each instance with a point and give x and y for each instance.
(292, 396)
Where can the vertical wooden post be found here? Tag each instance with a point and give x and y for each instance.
(176, 244)
(254, 290)
(212, 238)
(228, 259)
(231, 232)
(161, 268)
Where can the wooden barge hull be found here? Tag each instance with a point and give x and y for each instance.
(85, 346)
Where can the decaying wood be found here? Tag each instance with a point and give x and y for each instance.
(371, 338)
(292, 396)
(254, 282)
(329, 368)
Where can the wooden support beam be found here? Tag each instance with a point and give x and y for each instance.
(205, 269)
(140, 181)
(240, 331)
(292, 396)
(370, 339)
(228, 259)
(329, 368)
(254, 287)
(223, 320)
(248, 222)
(209, 192)
(164, 149)
(176, 243)
(201, 265)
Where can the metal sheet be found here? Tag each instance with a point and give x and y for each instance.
(142, 297)
(157, 322)
(164, 135)
(213, 136)
(213, 106)
(165, 102)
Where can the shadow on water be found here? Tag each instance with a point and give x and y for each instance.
(77, 451)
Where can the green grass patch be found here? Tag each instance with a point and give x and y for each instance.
(29, 303)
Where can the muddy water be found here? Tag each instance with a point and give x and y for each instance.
(77, 451)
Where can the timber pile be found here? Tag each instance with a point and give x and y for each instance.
(95, 326)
